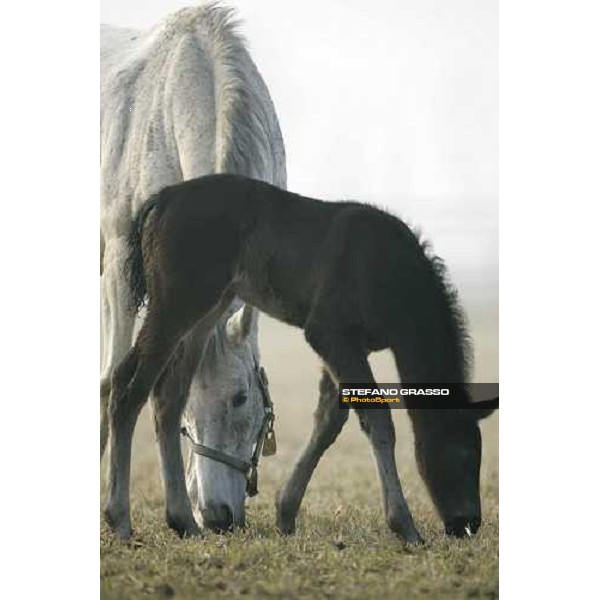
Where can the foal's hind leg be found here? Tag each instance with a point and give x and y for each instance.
(131, 385)
(117, 321)
(348, 364)
(329, 421)
(168, 399)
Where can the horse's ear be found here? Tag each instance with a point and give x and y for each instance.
(481, 410)
(240, 324)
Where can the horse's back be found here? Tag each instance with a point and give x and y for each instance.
(139, 124)
(165, 116)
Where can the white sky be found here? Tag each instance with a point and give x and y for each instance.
(388, 101)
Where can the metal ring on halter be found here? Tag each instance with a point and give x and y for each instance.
(249, 468)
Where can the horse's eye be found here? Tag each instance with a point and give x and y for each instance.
(239, 399)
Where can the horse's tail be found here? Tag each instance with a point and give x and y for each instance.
(135, 273)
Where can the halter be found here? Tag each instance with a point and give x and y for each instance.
(265, 442)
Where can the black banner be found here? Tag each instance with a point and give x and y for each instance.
(426, 395)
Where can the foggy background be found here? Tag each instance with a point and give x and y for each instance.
(393, 102)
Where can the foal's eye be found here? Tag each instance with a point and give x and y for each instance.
(239, 399)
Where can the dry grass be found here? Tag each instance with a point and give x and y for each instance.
(342, 548)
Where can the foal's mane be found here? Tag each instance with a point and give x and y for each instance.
(454, 314)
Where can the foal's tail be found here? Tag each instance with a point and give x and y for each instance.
(135, 273)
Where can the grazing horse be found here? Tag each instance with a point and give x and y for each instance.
(353, 277)
(182, 100)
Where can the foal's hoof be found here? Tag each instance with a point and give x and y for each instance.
(286, 524)
(405, 529)
(121, 527)
(286, 512)
(286, 521)
(286, 528)
(414, 539)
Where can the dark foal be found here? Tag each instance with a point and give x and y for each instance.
(353, 277)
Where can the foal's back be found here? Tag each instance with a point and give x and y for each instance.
(286, 254)
(267, 242)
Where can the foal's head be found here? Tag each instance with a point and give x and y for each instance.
(448, 452)
(225, 412)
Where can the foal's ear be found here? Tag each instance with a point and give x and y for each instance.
(240, 323)
(484, 409)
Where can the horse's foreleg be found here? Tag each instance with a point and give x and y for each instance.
(329, 421)
(348, 364)
(122, 416)
(116, 320)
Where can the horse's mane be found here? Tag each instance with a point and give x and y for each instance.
(244, 130)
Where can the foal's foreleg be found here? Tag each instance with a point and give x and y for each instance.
(329, 421)
(378, 425)
(348, 364)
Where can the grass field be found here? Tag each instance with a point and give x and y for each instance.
(342, 548)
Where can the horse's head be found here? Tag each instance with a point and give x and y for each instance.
(225, 412)
(448, 452)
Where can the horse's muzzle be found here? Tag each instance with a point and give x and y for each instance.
(218, 518)
(461, 527)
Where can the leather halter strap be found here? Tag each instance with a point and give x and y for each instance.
(232, 461)
(249, 468)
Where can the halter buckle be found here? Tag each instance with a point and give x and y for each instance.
(270, 445)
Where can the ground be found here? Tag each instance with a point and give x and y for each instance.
(342, 547)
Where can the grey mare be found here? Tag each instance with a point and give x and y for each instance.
(182, 100)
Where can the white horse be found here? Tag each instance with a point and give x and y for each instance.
(182, 100)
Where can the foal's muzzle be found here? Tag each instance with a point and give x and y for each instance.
(461, 527)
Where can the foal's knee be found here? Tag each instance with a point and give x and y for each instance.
(377, 424)
(104, 388)
(121, 398)
(124, 372)
(315, 338)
